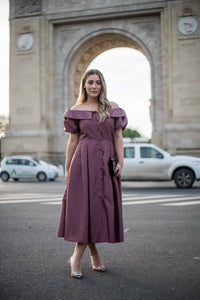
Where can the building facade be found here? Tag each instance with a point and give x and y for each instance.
(53, 42)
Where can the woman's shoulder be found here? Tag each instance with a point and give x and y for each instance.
(73, 110)
(76, 107)
(114, 105)
(84, 107)
(77, 112)
(119, 114)
(116, 111)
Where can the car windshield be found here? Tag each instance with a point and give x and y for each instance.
(42, 162)
(38, 161)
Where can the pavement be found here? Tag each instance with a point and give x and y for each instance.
(159, 259)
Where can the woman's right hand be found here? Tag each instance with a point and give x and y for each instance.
(118, 170)
(67, 177)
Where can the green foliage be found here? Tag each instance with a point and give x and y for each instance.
(130, 133)
(3, 123)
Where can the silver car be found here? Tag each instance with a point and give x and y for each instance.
(150, 163)
(18, 167)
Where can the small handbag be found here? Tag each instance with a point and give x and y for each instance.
(113, 161)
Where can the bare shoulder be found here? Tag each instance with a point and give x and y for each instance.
(76, 107)
(114, 104)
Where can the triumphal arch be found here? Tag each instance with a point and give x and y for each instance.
(53, 42)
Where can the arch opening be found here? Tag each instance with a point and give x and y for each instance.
(127, 74)
(90, 47)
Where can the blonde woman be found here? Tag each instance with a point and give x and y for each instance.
(92, 210)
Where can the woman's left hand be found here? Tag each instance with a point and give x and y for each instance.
(119, 170)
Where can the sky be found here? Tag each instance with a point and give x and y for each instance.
(4, 57)
(127, 76)
(126, 71)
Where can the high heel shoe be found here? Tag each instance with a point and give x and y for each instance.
(100, 268)
(77, 275)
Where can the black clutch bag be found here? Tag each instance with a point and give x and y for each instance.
(112, 165)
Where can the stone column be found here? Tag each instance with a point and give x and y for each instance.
(31, 120)
(181, 73)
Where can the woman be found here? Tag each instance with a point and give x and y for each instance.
(92, 209)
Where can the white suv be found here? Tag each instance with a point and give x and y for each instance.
(150, 163)
(17, 167)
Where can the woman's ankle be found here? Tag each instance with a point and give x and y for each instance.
(75, 258)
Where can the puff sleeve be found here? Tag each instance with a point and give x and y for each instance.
(70, 124)
(120, 118)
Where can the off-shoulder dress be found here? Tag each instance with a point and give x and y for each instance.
(92, 204)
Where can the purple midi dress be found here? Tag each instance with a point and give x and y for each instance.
(92, 204)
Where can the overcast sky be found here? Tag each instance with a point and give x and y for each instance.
(127, 75)
(4, 56)
(126, 71)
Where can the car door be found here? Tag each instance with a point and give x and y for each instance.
(12, 167)
(129, 170)
(27, 169)
(152, 164)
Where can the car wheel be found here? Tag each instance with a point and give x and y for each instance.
(42, 176)
(16, 179)
(184, 178)
(5, 176)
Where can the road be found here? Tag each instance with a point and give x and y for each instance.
(160, 258)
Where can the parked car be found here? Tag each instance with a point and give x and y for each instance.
(18, 167)
(150, 163)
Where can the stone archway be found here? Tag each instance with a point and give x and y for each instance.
(53, 43)
(92, 47)
(94, 44)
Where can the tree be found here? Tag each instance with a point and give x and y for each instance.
(3, 123)
(130, 133)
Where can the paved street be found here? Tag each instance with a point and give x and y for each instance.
(160, 258)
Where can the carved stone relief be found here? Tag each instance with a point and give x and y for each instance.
(25, 41)
(23, 7)
(188, 25)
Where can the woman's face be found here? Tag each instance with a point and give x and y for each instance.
(93, 86)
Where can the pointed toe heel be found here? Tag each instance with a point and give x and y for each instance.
(100, 268)
(77, 275)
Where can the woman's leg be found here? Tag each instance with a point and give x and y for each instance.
(94, 255)
(77, 255)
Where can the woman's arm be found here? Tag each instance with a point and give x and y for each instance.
(71, 147)
(119, 149)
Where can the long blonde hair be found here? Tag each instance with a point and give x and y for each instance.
(103, 103)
